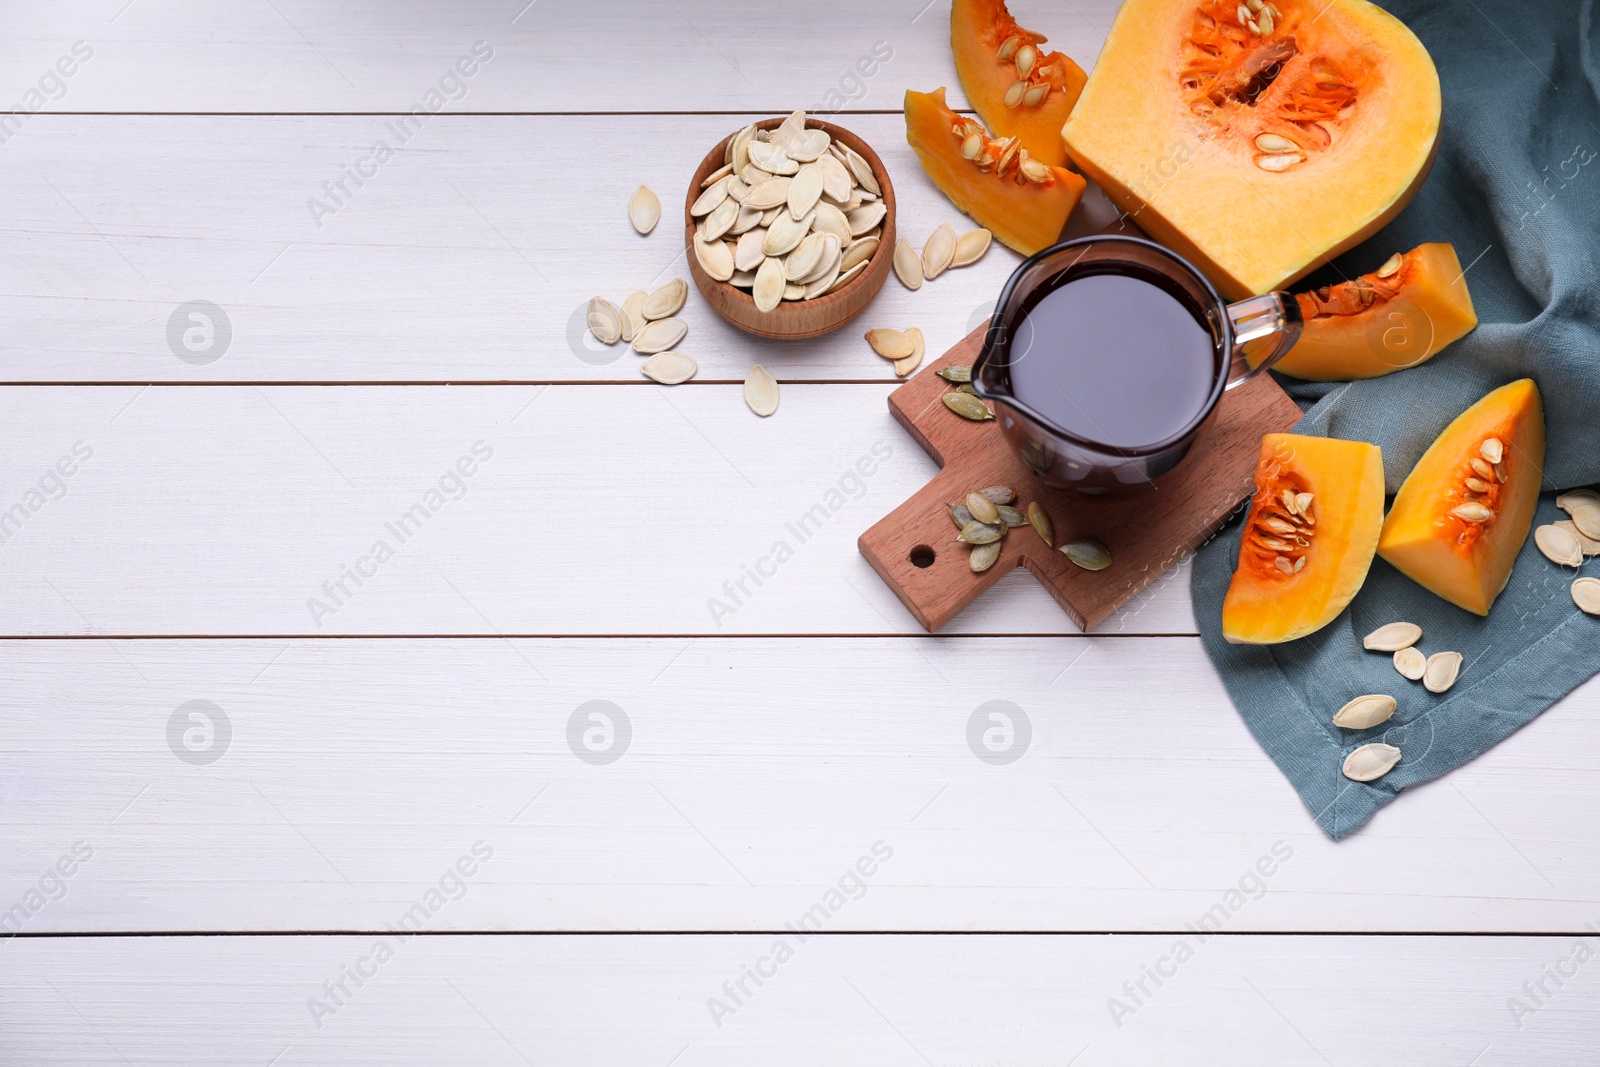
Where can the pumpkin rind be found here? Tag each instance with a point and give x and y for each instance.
(1171, 121)
(1025, 215)
(978, 29)
(1463, 562)
(1373, 326)
(1265, 605)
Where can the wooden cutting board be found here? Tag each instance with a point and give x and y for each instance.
(914, 547)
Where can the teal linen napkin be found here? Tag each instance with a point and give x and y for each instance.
(1516, 189)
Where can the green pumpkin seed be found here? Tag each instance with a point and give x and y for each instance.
(981, 533)
(955, 372)
(1090, 555)
(968, 406)
(982, 508)
(1000, 494)
(1039, 519)
(959, 515)
(966, 388)
(983, 557)
(1010, 516)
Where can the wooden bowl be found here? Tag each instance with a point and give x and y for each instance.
(794, 319)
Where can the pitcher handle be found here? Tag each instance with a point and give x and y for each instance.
(1273, 315)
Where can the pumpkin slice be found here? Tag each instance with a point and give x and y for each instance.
(1402, 314)
(1017, 88)
(1019, 199)
(1258, 147)
(1309, 538)
(1463, 512)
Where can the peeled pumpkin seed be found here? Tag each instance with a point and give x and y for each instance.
(907, 264)
(1370, 762)
(982, 508)
(761, 391)
(670, 368)
(1441, 672)
(938, 252)
(1000, 494)
(955, 372)
(971, 246)
(1586, 594)
(658, 336)
(959, 515)
(769, 285)
(983, 557)
(633, 319)
(978, 532)
(1411, 663)
(1363, 713)
(605, 321)
(1393, 637)
(1039, 519)
(967, 406)
(1559, 546)
(1010, 516)
(890, 344)
(1090, 555)
(714, 258)
(667, 300)
(644, 210)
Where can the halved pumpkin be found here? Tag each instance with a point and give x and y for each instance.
(1019, 199)
(1258, 147)
(1463, 512)
(1017, 87)
(1400, 315)
(1308, 540)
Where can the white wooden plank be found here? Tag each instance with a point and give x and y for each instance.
(689, 55)
(601, 510)
(470, 255)
(1267, 1001)
(755, 774)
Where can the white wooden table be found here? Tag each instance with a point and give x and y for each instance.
(403, 760)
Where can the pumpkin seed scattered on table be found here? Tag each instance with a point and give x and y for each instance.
(667, 301)
(1559, 546)
(907, 264)
(890, 344)
(967, 406)
(1370, 762)
(903, 367)
(1392, 637)
(1586, 594)
(1090, 555)
(1441, 671)
(955, 372)
(761, 391)
(970, 247)
(670, 368)
(659, 336)
(938, 252)
(605, 321)
(1039, 519)
(1363, 713)
(644, 210)
(633, 319)
(1411, 663)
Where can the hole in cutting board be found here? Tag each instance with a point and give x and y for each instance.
(922, 557)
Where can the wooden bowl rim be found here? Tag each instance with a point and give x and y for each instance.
(822, 304)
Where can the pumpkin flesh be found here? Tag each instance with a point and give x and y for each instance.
(990, 61)
(1301, 561)
(1376, 324)
(1024, 213)
(1426, 538)
(1257, 156)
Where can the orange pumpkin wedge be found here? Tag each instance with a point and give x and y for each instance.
(1463, 512)
(1309, 539)
(1258, 140)
(1022, 201)
(1402, 314)
(1017, 88)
